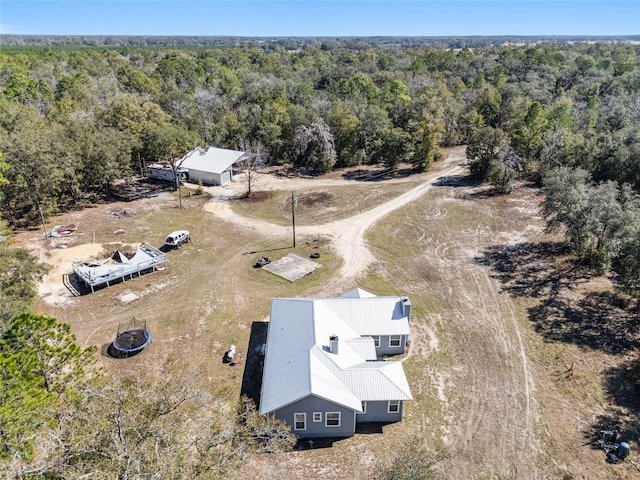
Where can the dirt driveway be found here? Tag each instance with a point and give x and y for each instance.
(347, 235)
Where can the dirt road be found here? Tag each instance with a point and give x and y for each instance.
(348, 234)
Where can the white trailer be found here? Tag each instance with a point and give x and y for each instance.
(165, 173)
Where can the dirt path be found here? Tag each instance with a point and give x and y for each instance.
(347, 235)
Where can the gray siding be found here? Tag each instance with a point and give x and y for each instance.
(225, 177)
(377, 412)
(385, 349)
(209, 178)
(312, 404)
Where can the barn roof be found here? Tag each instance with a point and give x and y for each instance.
(299, 363)
(212, 160)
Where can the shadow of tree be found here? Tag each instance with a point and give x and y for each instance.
(533, 269)
(595, 321)
(623, 384)
(455, 181)
(599, 320)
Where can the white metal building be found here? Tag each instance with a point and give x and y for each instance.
(213, 166)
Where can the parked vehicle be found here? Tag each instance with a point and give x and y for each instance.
(177, 238)
(262, 262)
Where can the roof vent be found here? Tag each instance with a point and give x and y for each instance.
(333, 344)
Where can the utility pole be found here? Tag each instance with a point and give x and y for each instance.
(294, 201)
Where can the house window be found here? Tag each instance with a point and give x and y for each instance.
(299, 421)
(394, 341)
(394, 406)
(317, 416)
(376, 340)
(364, 408)
(332, 419)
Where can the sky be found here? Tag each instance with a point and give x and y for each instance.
(256, 18)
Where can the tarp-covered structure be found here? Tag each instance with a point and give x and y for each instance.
(118, 266)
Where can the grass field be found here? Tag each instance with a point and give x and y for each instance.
(506, 364)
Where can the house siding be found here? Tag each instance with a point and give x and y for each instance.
(377, 412)
(385, 349)
(312, 404)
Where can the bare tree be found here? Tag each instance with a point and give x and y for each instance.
(253, 161)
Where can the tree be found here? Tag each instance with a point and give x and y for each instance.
(35, 179)
(169, 142)
(251, 163)
(19, 271)
(25, 405)
(396, 147)
(505, 171)
(426, 150)
(171, 427)
(527, 139)
(344, 125)
(39, 364)
(595, 216)
(313, 146)
(411, 462)
(483, 151)
(4, 166)
(61, 363)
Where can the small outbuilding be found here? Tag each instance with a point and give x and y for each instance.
(213, 166)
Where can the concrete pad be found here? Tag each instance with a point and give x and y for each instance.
(292, 267)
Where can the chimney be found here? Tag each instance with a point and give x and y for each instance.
(406, 308)
(333, 344)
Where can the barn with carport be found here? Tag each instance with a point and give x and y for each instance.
(213, 166)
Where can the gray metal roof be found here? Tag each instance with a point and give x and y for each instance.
(299, 363)
(212, 160)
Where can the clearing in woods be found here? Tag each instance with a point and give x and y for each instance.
(486, 365)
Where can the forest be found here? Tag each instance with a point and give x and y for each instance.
(75, 118)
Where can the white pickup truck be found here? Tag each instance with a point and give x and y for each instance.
(177, 238)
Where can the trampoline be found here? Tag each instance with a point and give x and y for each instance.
(131, 337)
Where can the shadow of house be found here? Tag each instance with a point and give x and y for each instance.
(254, 362)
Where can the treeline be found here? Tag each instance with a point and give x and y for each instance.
(73, 119)
(303, 42)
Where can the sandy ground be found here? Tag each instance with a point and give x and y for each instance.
(487, 388)
(489, 396)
